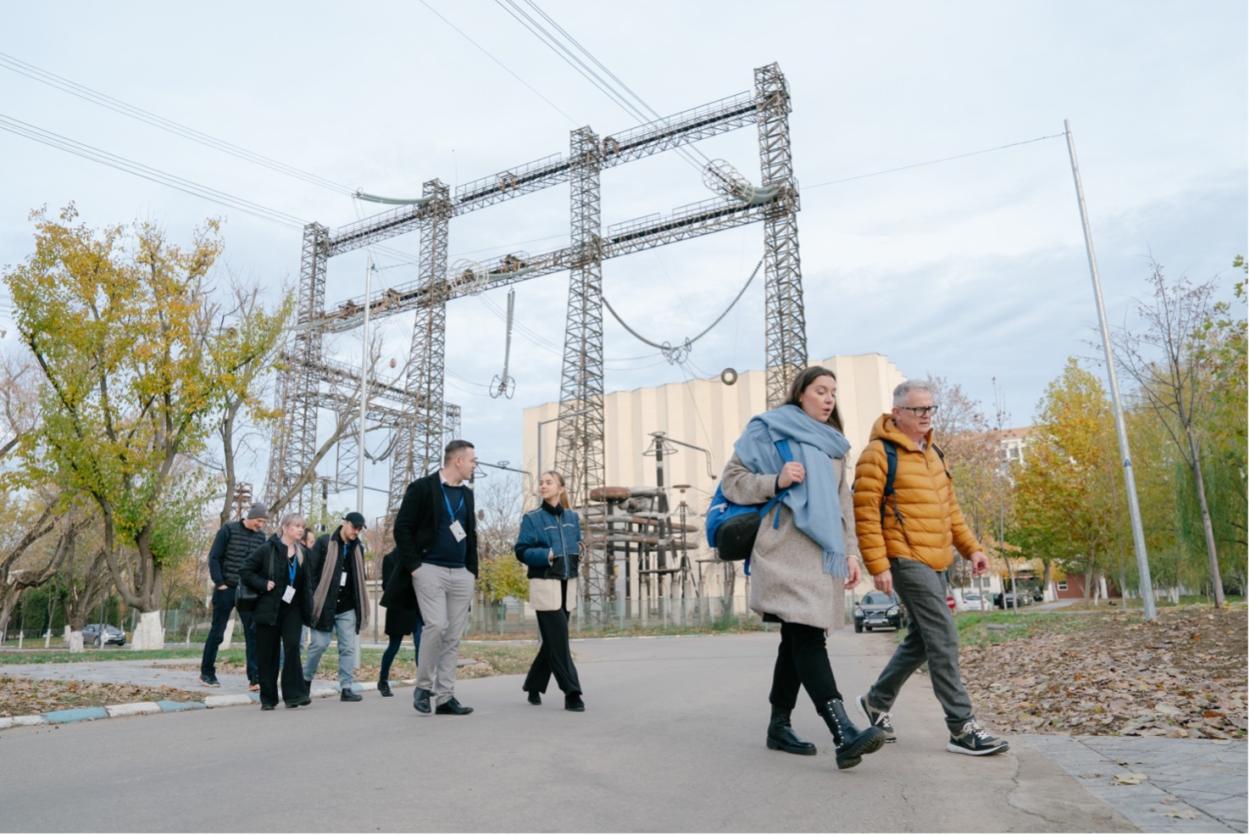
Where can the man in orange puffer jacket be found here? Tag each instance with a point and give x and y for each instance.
(905, 539)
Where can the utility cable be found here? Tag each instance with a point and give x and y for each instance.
(564, 53)
(679, 353)
(910, 166)
(492, 57)
(89, 152)
(620, 84)
(133, 111)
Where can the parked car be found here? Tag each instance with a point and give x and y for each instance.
(968, 602)
(1008, 600)
(112, 635)
(876, 609)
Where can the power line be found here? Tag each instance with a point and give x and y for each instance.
(492, 57)
(565, 54)
(135, 112)
(930, 162)
(90, 152)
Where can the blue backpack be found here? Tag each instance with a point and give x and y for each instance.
(731, 528)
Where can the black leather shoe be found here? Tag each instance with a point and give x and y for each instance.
(453, 706)
(573, 702)
(421, 700)
(384, 688)
(267, 707)
(782, 738)
(300, 703)
(535, 698)
(348, 695)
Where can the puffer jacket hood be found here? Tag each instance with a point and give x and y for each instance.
(924, 497)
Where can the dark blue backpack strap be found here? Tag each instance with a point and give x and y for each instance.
(891, 468)
(783, 449)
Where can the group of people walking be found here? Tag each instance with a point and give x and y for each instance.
(893, 515)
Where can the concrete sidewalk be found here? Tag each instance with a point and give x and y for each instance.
(673, 739)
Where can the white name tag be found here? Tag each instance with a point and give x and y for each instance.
(457, 530)
(288, 595)
(343, 579)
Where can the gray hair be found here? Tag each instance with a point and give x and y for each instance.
(287, 519)
(902, 390)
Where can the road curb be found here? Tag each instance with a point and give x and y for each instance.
(134, 709)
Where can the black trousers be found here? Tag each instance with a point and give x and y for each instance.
(223, 605)
(554, 655)
(284, 637)
(802, 660)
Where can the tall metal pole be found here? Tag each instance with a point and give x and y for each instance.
(364, 394)
(1130, 484)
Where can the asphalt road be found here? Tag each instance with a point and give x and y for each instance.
(672, 740)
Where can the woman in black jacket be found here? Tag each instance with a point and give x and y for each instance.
(400, 622)
(276, 572)
(548, 544)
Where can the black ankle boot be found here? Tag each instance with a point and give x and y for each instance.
(852, 743)
(783, 738)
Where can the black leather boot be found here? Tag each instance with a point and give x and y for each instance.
(852, 743)
(783, 738)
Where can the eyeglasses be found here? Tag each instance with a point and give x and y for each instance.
(921, 411)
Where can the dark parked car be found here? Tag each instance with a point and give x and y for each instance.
(1007, 600)
(876, 609)
(112, 635)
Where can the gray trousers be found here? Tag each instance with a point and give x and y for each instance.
(931, 638)
(444, 596)
(345, 628)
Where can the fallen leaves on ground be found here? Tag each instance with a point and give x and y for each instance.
(20, 696)
(1183, 675)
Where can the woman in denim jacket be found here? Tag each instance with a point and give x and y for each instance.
(549, 545)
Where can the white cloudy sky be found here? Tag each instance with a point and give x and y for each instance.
(971, 269)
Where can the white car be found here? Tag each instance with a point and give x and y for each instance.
(971, 602)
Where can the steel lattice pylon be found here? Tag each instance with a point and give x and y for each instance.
(579, 437)
(419, 445)
(421, 419)
(298, 385)
(785, 330)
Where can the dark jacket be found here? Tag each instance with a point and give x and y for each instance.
(268, 563)
(318, 560)
(415, 533)
(543, 532)
(230, 550)
(399, 621)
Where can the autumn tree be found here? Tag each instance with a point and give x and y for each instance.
(499, 509)
(1164, 356)
(134, 368)
(1070, 497)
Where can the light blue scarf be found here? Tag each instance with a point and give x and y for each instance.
(814, 502)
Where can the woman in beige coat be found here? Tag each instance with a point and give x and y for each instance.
(803, 551)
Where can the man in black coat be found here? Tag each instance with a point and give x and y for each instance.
(235, 541)
(336, 578)
(436, 539)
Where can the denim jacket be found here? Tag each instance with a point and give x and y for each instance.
(543, 533)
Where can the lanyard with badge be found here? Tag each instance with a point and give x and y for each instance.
(457, 530)
(288, 594)
(343, 575)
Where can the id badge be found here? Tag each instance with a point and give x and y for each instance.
(288, 595)
(343, 579)
(457, 531)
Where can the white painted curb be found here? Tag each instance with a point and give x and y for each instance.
(131, 709)
(30, 720)
(223, 700)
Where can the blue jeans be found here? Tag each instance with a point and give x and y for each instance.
(392, 650)
(345, 628)
(223, 603)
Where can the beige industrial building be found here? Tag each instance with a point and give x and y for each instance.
(708, 413)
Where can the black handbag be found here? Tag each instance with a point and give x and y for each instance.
(246, 598)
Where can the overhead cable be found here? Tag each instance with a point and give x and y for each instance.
(676, 354)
